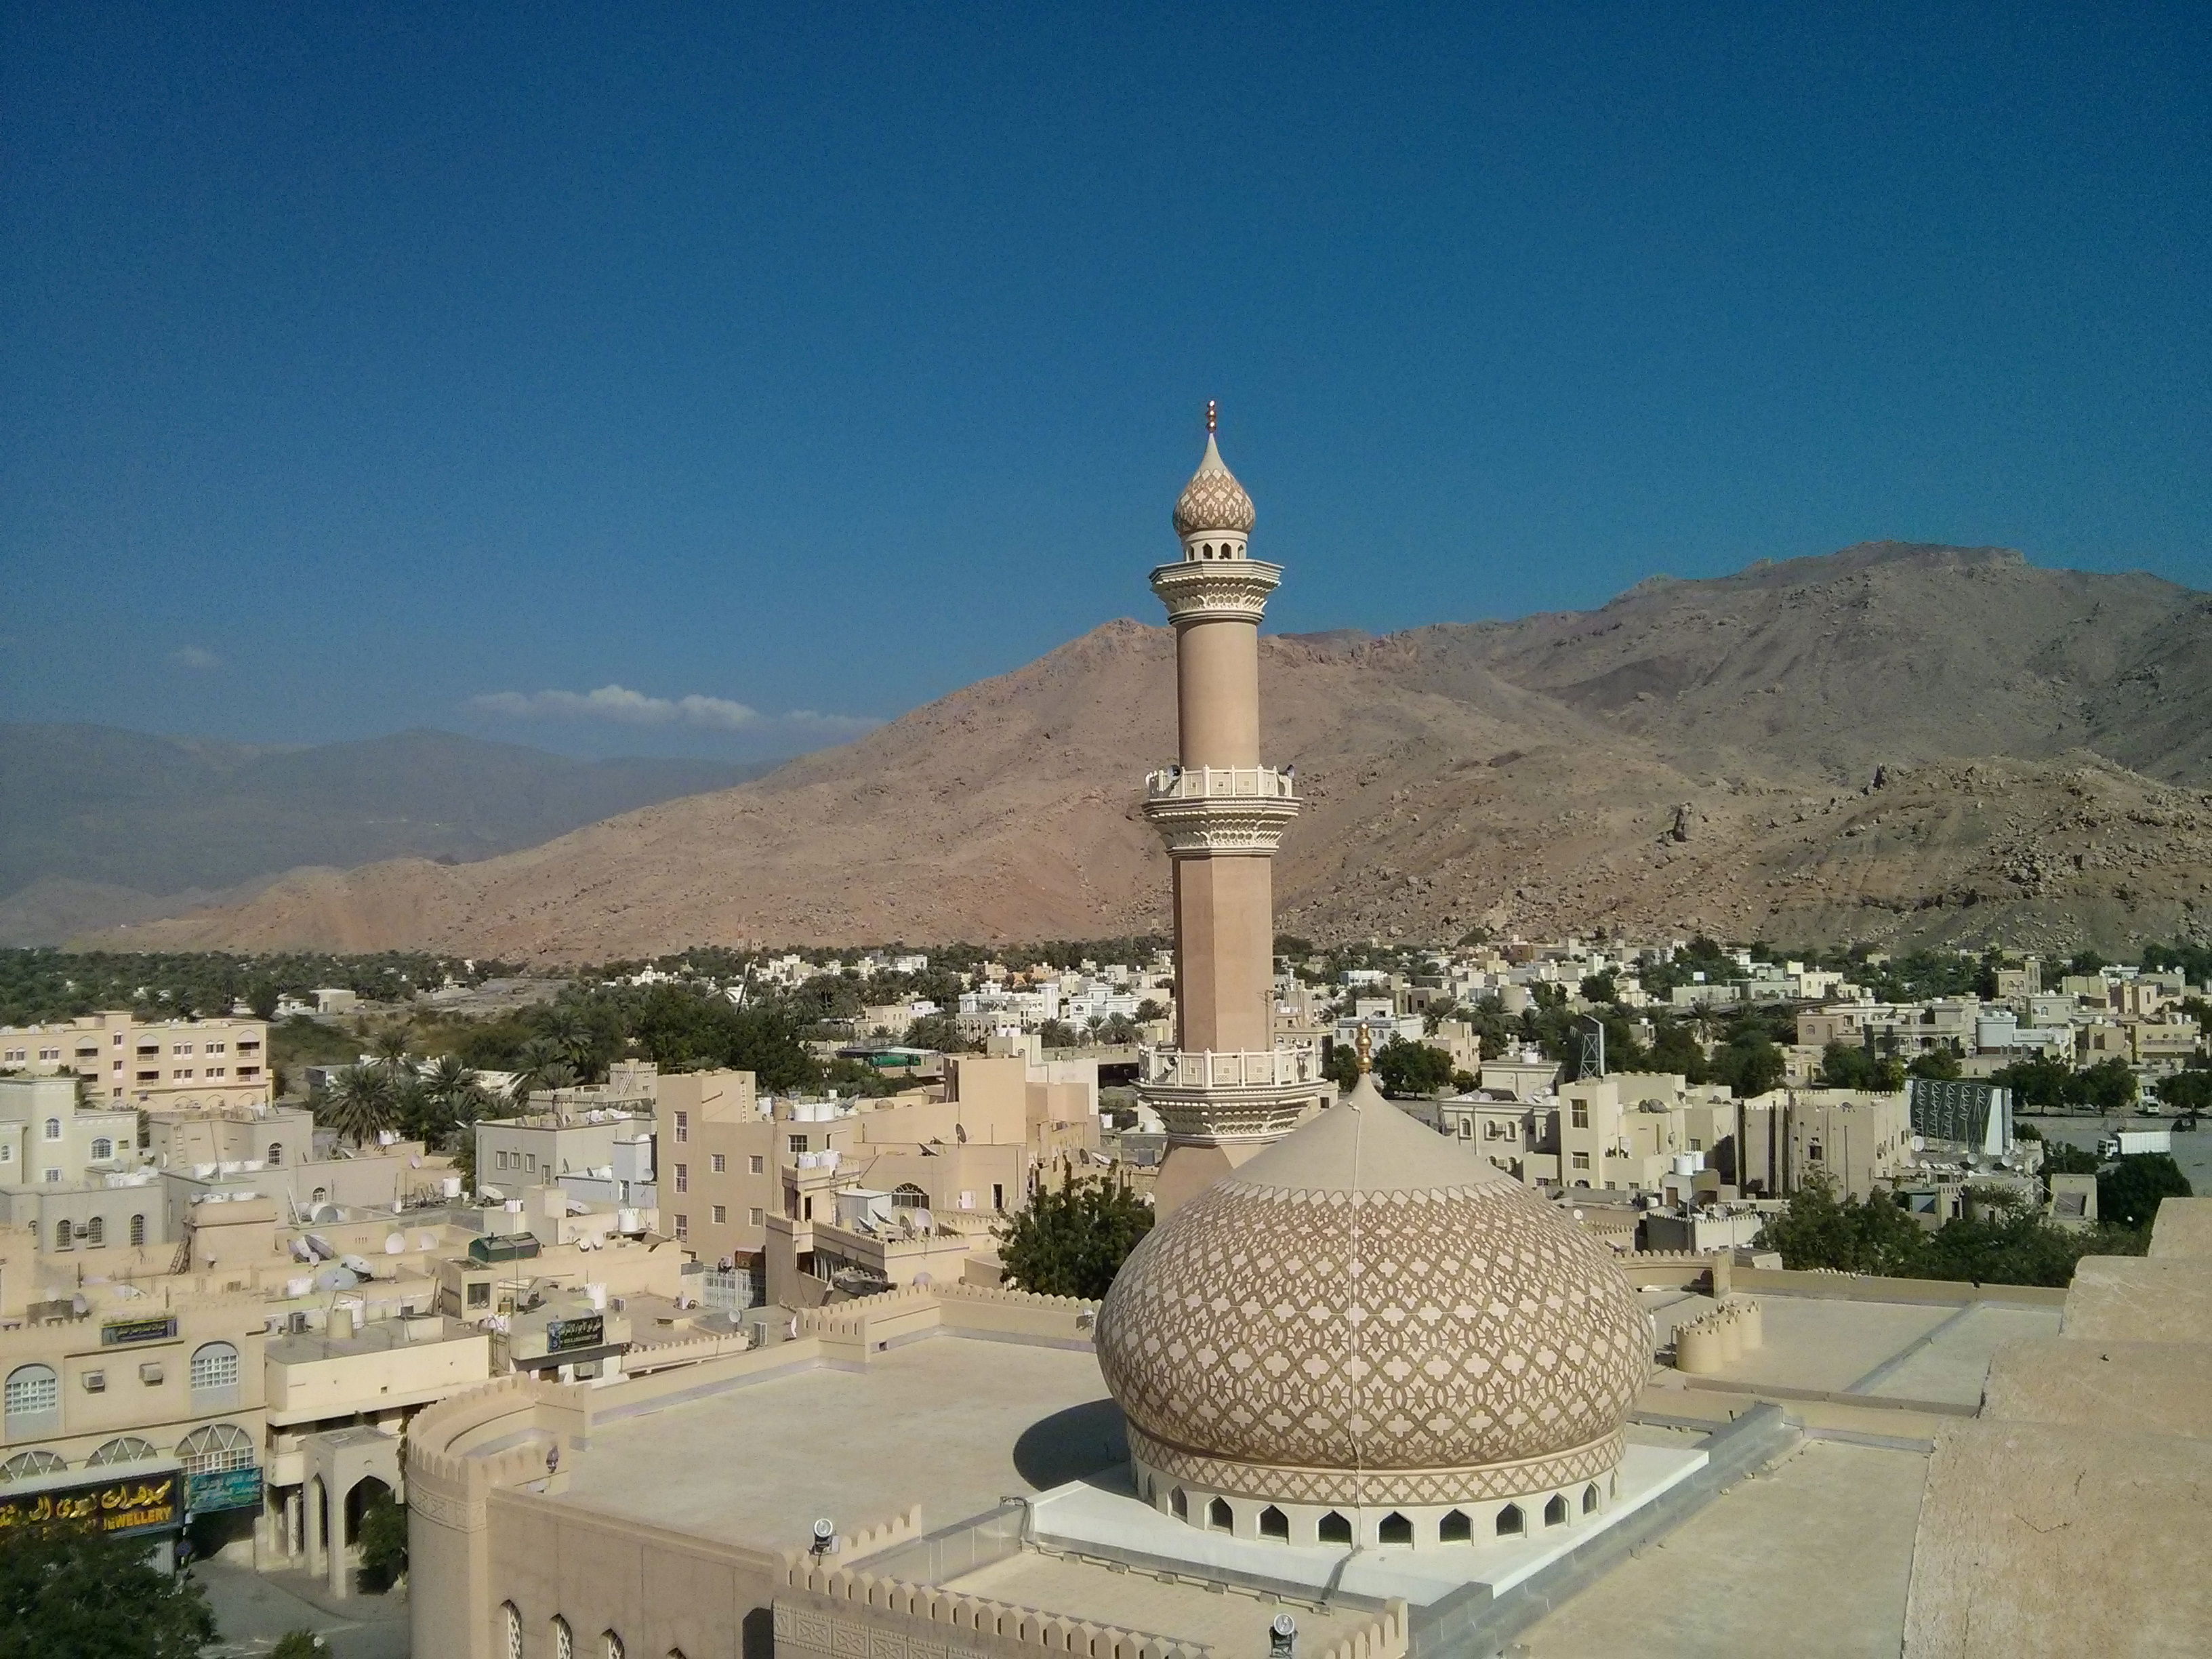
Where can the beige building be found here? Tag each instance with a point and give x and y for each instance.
(181, 1065)
(1861, 1142)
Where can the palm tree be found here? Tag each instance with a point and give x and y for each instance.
(359, 1102)
(448, 1076)
(391, 1050)
(571, 1036)
(539, 1064)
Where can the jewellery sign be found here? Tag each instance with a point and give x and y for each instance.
(135, 1503)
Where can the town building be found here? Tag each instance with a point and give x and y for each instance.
(178, 1065)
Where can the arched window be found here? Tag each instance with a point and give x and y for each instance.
(1396, 1530)
(1219, 1516)
(1179, 1503)
(611, 1646)
(1555, 1512)
(23, 1465)
(53, 1128)
(102, 1148)
(30, 1401)
(137, 1230)
(64, 1236)
(907, 1197)
(276, 1153)
(95, 1231)
(214, 1448)
(512, 1618)
(124, 1449)
(564, 1639)
(1456, 1528)
(1333, 1529)
(1273, 1523)
(1589, 1499)
(215, 1369)
(1511, 1523)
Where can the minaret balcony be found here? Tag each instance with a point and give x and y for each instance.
(1222, 1068)
(1224, 590)
(1221, 808)
(1215, 1095)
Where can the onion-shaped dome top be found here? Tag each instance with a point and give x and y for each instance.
(1213, 500)
(1368, 1296)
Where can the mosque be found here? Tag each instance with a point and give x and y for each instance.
(1358, 1394)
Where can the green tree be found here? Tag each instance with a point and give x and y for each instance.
(2130, 1193)
(2064, 1157)
(942, 1032)
(1675, 1048)
(1059, 1034)
(1602, 987)
(299, 1644)
(1938, 1063)
(262, 997)
(1852, 1065)
(1412, 1068)
(1073, 1242)
(67, 1590)
(2108, 1087)
(1342, 1066)
(383, 1539)
(1818, 1229)
(1751, 1064)
(358, 1103)
(2038, 1085)
(2187, 1092)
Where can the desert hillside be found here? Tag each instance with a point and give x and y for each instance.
(1892, 742)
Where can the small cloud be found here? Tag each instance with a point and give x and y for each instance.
(193, 656)
(623, 706)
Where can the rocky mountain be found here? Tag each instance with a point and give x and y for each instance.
(99, 825)
(1894, 742)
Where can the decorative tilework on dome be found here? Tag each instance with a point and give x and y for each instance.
(1328, 1326)
(1213, 500)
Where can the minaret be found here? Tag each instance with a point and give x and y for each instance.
(1224, 1090)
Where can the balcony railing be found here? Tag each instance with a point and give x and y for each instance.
(1222, 783)
(1209, 1068)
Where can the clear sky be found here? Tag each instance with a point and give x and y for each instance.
(388, 364)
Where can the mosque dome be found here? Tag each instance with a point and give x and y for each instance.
(1369, 1314)
(1213, 501)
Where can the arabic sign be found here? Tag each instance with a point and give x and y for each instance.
(137, 1503)
(223, 1489)
(585, 1331)
(158, 1328)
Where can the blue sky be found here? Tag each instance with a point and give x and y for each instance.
(372, 367)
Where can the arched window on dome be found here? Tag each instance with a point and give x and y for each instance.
(1333, 1529)
(511, 1621)
(1555, 1512)
(1456, 1528)
(1273, 1523)
(1220, 1517)
(1396, 1530)
(1180, 1503)
(1511, 1523)
(1589, 1499)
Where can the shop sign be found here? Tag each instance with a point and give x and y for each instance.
(154, 1327)
(585, 1331)
(136, 1503)
(223, 1489)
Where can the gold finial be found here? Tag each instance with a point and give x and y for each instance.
(1366, 1048)
(1210, 415)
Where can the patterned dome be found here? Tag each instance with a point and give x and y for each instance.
(1213, 500)
(1369, 1312)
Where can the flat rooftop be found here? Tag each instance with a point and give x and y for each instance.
(953, 1423)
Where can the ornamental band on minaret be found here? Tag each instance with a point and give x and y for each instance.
(1225, 1089)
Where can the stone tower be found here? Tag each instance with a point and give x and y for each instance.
(1225, 1090)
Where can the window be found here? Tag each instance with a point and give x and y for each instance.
(32, 1401)
(756, 1165)
(1579, 1114)
(181, 1048)
(564, 1641)
(907, 1197)
(53, 1128)
(611, 1646)
(1555, 1512)
(214, 1368)
(682, 1128)
(1396, 1530)
(276, 1154)
(721, 1215)
(1220, 1517)
(1456, 1528)
(1273, 1523)
(479, 1294)
(513, 1621)
(186, 1075)
(125, 1449)
(213, 1049)
(530, 1163)
(501, 1160)
(797, 1143)
(1813, 1151)
(102, 1149)
(683, 1228)
(1511, 1523)
(55, 1176)
(755, 1217)
(719, 1163)
(23, 1465)
(63, 1233)
(137, 1230)
(215, 1071)
(1333, 1529)
(1582, 1160)
(95, 1231)
(684, 1177)
(1589, 1499)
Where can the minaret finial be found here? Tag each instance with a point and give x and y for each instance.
(1366, 1048)
(1210, 411)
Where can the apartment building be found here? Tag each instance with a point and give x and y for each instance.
(1861, 1142)
(186, 1065)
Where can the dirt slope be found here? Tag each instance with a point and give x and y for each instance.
(1694, 754)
